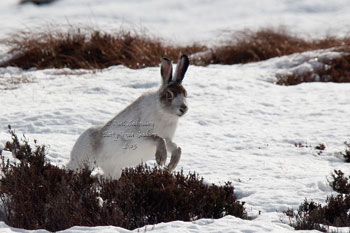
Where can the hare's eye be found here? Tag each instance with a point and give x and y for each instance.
(169, 95)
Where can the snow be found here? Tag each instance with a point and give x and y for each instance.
(181, 20)
(227, 224)
(240, 127)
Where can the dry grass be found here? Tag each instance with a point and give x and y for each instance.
(96, 50)
(13, 81)
(252, 46)
(90, 51)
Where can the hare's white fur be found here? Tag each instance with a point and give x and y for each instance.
(141, 131)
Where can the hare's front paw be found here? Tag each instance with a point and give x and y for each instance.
(161, 152)
(161, 157)
(175, 158)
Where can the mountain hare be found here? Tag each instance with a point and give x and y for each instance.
(142, 130)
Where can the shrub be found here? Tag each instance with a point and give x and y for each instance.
(36, 194)
(346, 153)
(37, 2)
(306, 217)
(333, 70)
(336, 211)
(312, 215)
(340, 183)
(149, 196)
(96, 50)
(252, 46)
(320, 148)
(301, 144)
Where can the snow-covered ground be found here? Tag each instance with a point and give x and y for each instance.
(240, 126)
(183, 20)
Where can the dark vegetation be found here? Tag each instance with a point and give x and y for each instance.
(306, 217)
(336, 212)
(333, 70)
(302, 144)
(340, 183)
(37, 2)
(252, 46)
(13, 81)
(320, 148)
(346, 153)
(96, 50)
(38, 195)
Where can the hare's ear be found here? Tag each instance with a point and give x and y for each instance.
(181, 68)
(166, 70)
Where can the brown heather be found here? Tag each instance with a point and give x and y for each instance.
(336, 212)
(35, 194)
(253, 46)
(90, 51)
(97, 50)
(333, 70)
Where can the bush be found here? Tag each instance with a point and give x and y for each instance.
(320, 148)
(312, 215)
(252, 46)
(336, 211)
(333, 70)
(37, 2)
(149, 196)
(346, 153)
(340, 183)
(306, 217)
(96, 50)
(38, 195)
(302, 144)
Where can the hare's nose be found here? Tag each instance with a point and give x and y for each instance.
(183, 108)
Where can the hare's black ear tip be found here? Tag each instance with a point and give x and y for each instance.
(165, 59)
(184, 56)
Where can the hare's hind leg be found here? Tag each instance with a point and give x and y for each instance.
(175, 154)
(84, 151)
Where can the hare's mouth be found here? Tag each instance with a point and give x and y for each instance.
(181, 112)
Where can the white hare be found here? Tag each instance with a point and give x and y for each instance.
(141, 131)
